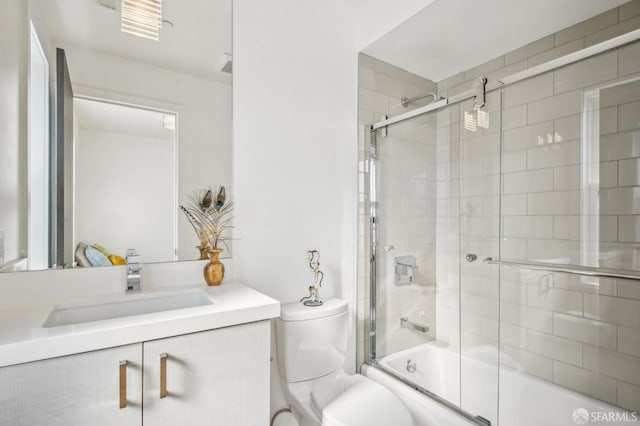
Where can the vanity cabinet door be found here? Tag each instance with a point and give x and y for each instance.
(82, 389)
(217, 377)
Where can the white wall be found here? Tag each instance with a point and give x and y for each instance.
(295, 141)
(38, 157)
(13, 130)
(115, 169)
(295, 149)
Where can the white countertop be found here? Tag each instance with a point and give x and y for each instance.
(23, 339)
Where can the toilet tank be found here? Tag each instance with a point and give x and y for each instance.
(312, 340)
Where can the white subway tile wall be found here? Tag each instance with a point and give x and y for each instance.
(524, 176)
(590, 26)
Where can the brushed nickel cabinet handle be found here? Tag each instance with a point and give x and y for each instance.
(163, 375)
(123, 384)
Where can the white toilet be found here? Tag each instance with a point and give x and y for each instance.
(312, 344)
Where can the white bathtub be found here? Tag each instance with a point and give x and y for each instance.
(523, 400)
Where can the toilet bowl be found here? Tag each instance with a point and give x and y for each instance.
(311, 352)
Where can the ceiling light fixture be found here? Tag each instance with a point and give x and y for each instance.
(169, 122)
(142, 18)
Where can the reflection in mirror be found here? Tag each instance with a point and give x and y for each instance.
(38, 167)
(125, 180)
(62, 191)
(48, 206)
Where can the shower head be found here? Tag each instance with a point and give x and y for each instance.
(406, 101)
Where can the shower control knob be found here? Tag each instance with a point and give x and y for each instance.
(471, 257)
(411, 366)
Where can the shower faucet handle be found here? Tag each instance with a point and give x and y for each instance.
(470, 257)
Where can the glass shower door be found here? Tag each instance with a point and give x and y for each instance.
(568, 340)
(405, 190)
(417, 270)
(492, 222)
(438, 192)
(479, 196)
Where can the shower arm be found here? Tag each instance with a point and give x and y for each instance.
(406, 101)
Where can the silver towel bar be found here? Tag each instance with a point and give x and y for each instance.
(581, 270)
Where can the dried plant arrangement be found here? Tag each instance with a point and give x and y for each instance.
(209, 213)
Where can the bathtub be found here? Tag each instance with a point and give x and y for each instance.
(524, 400)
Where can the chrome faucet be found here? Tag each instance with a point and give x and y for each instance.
(133, 271)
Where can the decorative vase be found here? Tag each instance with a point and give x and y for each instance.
(203, 252)
(214, 270)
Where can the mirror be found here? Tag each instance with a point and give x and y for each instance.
(85, 170)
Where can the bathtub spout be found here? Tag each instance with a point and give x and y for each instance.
(406, 323)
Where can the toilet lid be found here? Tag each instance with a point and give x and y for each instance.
(358, 401)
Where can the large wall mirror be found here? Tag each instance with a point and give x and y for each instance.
(112, 129)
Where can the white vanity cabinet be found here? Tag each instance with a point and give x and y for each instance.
(219, 377)
(215, 377)
(82, 389)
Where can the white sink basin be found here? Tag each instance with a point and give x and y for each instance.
(137, 304)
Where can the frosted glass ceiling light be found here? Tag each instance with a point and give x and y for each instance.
(169, 122)
(142, 18)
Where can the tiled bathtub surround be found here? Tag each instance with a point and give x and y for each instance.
(556, 206)
(526, 182)
(579, 332)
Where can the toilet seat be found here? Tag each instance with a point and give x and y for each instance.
(324, 391)
(357, 401)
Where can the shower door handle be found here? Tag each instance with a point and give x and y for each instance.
(470, 257)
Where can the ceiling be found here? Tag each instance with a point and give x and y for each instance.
(444, 38)
(104, 116)
(450, 36)
(195, 44)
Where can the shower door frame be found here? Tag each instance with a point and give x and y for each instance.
(491, 86)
